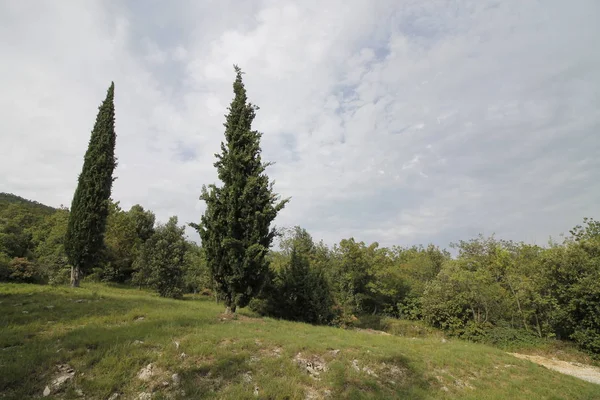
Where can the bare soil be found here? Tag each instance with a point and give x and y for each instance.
(581, 371)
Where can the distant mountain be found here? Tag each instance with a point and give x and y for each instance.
(8, 198)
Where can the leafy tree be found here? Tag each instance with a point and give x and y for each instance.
(196, 277)
(353, 270)
(122, 245)
(14, 240)
(143, 221)
(571, 285)
(49, 246)
(304, 293)
(89, 209)
(161, 260)
(235, 228)
(4, 269)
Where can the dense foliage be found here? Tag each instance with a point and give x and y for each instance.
(89, 209)
(161, 260)
(235, 228)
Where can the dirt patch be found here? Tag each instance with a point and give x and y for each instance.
(581, 371)
(272, 352)
(315, 394)
(372, 331)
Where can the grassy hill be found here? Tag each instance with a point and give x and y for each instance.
(93, 343)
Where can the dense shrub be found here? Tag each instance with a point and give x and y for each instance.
(297, 293)
(23, 270)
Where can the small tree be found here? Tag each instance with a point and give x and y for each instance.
(304, 292)
(89, 209)
(161, 260)
(235, 228)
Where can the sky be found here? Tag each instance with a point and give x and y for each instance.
(401, 121)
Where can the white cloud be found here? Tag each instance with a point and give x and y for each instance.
(394, 122)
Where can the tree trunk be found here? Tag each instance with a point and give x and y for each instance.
(539, 329)
(519, 306)
(75, 275)
(229, 305)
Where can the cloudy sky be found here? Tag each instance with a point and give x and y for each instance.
(401, 121)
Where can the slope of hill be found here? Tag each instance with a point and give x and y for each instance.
(9, 198)
(101, 342)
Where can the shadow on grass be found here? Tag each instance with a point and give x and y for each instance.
(206, 380)
(392, 377)
(44, 326)
(117, 352)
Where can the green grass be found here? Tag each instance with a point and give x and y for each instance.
(94, 330)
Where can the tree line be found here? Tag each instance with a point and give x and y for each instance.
(490, 290)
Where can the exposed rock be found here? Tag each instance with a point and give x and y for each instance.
(182, 356)
(144, 396)
(114, 396)
(247, 377)
(311, 394)
(445, 389)
(46, 392)
(277, 351)
(176, 343)
(369, 371)
(138, 342)
(139, 319)
(146, 373)
(335, 352)
(165, 383)
(355, 365)
(256, 391)
(66, 373)
(460, 383)
(80, 301)
(393, 370)
(176, 379)
(314, 365)
(254, 359)
(444, 340)
(79, 392)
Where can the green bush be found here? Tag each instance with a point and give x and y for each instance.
(23, 270)
(4, 271)
(296, 293)
(507, 337)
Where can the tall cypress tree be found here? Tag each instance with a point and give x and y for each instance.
(235, 228)
(89, 209)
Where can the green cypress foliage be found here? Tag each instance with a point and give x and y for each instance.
(235, 228)
(304, 294)
(89, 209)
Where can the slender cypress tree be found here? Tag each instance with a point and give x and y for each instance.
(235, 228)
(89, 209)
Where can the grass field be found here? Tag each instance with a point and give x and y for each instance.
(104, 336)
